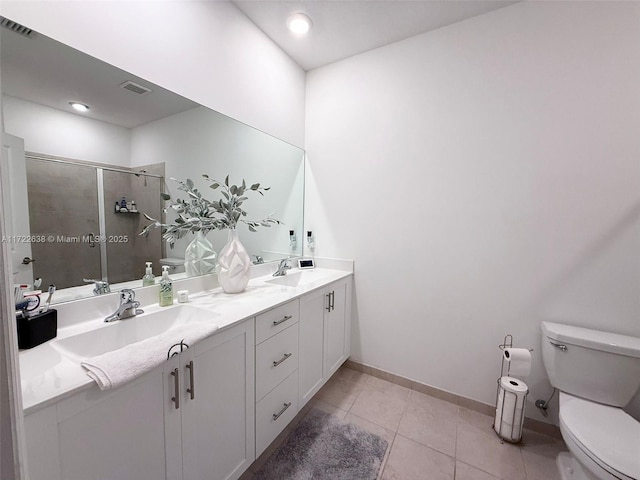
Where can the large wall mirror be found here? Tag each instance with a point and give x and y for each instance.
(134, 138)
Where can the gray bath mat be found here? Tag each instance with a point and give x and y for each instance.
(322, 447)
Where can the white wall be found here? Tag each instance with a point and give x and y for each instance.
(484, 177)
(55, 132)
(207, 51)
(199, 141)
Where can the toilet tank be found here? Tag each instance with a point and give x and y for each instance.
(592, 364)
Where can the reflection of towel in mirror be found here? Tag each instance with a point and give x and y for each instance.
(114, 369)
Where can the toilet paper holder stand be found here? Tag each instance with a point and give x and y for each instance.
(514, 435)
(506, 343)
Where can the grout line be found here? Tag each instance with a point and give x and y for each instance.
(385, 460)
(532, 424)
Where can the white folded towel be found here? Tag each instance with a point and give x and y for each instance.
(114, 369)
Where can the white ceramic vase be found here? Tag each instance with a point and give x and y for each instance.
(199, 257)
(234, 265)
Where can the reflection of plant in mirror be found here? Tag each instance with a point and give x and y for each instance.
(198, 214)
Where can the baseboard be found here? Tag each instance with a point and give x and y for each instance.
(529, 423)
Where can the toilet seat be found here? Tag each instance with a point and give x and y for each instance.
(608, 436)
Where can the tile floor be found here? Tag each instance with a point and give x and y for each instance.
(429, 438)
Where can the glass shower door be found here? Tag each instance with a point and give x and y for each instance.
(63, 208)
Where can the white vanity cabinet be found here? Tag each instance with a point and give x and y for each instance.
(136, 432)
(276, 371)
(325, 336)
(208, 412)
(215, 418)
(101, 435)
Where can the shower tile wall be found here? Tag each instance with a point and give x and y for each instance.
(126, 260)
(63, 205)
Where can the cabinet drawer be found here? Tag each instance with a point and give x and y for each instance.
(276, 320)
(276, 359)
(275, 411)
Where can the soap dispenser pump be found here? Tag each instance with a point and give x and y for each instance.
(148, 278)
(166, 288)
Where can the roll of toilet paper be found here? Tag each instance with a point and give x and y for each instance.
(519, 361)
(509, 418)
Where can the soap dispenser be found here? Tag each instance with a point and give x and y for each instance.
(166, 288)
(148, 278)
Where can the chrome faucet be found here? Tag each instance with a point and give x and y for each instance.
(100, 286)
(258, 260)
(282, 268)
(128, 306)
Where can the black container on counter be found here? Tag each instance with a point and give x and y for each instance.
(37, 329)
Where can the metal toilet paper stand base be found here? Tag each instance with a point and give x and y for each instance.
(510, 435)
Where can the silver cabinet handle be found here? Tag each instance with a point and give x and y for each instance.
(277, 415)
(192, 389)
(284, 319)
(286, 355)
(333, 299)
(328, 307)
(176, 388)
(559, 345)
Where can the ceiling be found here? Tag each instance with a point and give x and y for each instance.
(44, 71)
(342, 28)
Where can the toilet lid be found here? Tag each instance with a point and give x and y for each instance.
(172, 261)
(607, 434)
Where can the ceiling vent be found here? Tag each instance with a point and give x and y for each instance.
(16, 27)
(135, 88)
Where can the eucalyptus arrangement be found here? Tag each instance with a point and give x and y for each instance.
(199, 214)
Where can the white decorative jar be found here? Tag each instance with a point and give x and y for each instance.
(234, 265)
(199, 257)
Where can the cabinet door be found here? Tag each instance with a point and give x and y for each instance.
(114, 435)
(311, 344)
(218, 420)
(335, 324)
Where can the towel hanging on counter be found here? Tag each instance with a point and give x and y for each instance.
(114, 369)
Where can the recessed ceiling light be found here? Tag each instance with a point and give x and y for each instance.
(81, 107)
(299, 23)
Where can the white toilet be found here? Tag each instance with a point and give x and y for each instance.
(597, 374)
(176, 265)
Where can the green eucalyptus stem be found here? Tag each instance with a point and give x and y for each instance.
(197, 213)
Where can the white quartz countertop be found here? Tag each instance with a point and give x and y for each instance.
(48, 376)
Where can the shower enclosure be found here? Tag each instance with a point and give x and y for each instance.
(72, 210)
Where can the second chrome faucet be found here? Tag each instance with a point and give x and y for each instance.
(128, 306)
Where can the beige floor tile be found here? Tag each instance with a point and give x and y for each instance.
(539, 454)
(390, 389)
(479, 446)
(467, 472)
(410, 460)
(431, 422)
(380, 407)
(371, 427)
(351, 375)
(339, 393)
(477, 419)
(327, 407)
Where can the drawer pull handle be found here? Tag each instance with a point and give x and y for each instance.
(286, 355)
(284, 319)
(559, 345)
(192, 388)
(176, 387)
(277, 415)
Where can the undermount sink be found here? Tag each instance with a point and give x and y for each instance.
(119, 334)
(298, 278)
